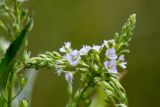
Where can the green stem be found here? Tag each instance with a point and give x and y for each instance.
(69, 90)
(81, 94)
(10, 89)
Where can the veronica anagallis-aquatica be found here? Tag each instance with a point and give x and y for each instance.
(99, 67)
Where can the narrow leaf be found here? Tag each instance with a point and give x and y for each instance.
(11, 55)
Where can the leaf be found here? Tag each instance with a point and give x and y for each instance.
(11, 55)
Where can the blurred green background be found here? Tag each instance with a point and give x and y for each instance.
(90, 22)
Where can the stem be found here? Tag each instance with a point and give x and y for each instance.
(69, 90)
(3, 99)
(84, 89)
(17, 94)
(10, 89)
(81, 94)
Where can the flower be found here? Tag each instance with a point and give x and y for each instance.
(97, 48)
(123, 64)
(109, 43)
(121, 59)
(73, 57)
(58, 69)
(66, 48)
(84, 50)
(111, 66)
(69, 76)
(111, 53)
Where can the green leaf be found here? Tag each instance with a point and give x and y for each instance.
(7, 63)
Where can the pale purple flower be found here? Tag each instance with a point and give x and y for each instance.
(111, 53)
(108, 42)
(69, 76)
(84, 50)
(73, 57)
(66, 47)
(121, 59)
(111, 66)
(97, 48)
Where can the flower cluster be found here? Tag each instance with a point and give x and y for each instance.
(97, 65)
(111, 64)
(75, 59)
(84, 60)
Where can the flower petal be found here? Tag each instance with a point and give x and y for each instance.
(121, 58)
(111, 53)
(84, 50)
(69, 77)
(97, 48)
(123, 64)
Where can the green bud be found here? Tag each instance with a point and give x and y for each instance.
(23, 103)
(81, 69)
(97, 58)
(95, 67)
(69, 88)
(56, 54)
(77, 94)
(116, 37)
(43, 56)
(120, 105)
(23, 82)
(105, 85)
(3, 26)
(26, 56)
(82, 63)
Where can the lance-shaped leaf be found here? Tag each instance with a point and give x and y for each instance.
(7, 63)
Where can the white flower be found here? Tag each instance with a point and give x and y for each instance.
(84, 50)
(121, 59)
(97, 48)
(109, 42)
(66, 47)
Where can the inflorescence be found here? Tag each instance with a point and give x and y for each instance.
(97, 64)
